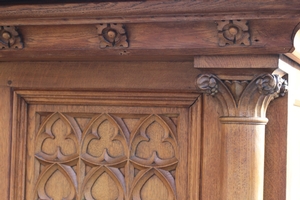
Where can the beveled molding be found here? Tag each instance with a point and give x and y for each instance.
(243, 98)
(146, 11)
(159, 99)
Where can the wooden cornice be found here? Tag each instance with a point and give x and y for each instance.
(146, 11)
(155, 30)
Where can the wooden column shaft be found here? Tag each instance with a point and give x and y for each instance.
(242, 158)
(244, 104)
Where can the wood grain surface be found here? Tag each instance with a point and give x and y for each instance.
(147, 41)
(5, 142)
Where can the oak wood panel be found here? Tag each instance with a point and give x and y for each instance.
(195, 150)
(211, 149)
(276, 150)
(234, 61)
(5, 142)
(18, 147)
(126, 76)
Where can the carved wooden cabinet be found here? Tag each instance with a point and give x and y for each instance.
(174, 100)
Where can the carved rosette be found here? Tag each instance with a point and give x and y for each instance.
(233, 32)
(10, 38)
(112, 35)
(242, 98)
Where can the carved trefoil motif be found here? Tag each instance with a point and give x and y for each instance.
(112, 35)
(10, 38)
(233, 32)
(105, 156)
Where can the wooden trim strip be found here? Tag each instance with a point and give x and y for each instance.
(109, 98)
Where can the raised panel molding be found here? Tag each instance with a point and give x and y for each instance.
(123, 153)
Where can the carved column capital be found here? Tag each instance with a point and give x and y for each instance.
(243, 121)
(243, 98)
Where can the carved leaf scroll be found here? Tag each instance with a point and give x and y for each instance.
(270, 84)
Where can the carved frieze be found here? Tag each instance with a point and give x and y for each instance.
(243, 98)
(233, 32)
(112, 35)
(10, 38)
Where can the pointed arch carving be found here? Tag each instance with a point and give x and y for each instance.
(110, 152)
(113, 177)
(58, 174)
(163, 176)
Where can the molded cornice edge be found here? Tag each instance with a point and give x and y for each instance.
(146, 11)
(295, 53)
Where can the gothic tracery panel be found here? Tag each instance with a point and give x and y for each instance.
(105, 156)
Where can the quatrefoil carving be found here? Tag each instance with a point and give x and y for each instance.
(233, 32)
(10, 38)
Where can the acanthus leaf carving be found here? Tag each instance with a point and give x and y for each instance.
(243, 98)
(236, 88)
(112, 35)
(10, 38)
